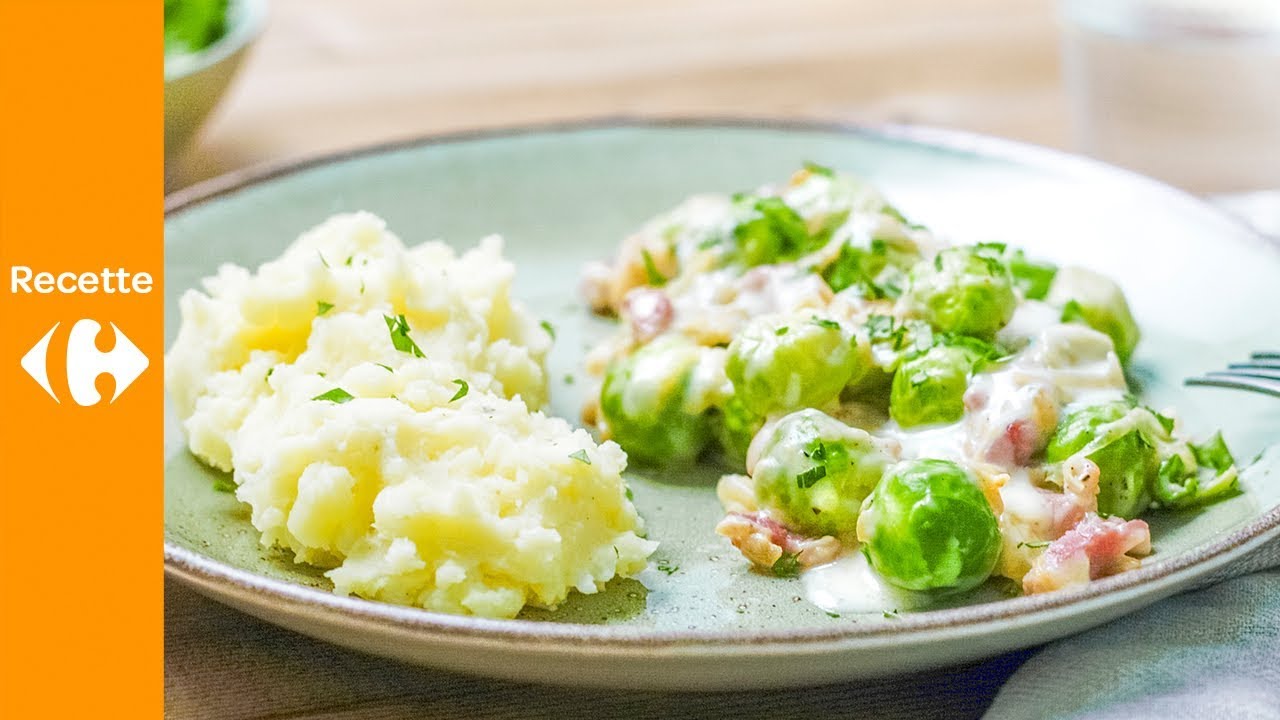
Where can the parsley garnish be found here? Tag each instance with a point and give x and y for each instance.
(826, 323)
(568, 378)
(348, 260)
(224, 484)
(463, 388)
(269, 371)
(811, 476)
(322, 307)
(336, 396)
(787, 566)
(1073, 311)
(385, 367)
(666, 567)
(323, 262)
(709, 242)
(1040, 544)
(551, 330)
(880, 327)
(581, 456)
(651, 270)
(817, 169)
(399, 329)
(781, 331)
(891, 614)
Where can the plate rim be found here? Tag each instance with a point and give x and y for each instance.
(209, 575)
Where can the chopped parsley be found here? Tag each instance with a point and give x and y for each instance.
(385, 367)
(551, 330)
(1073, 311)
(1040, 544)
(880, 327)
(463, 388)
(323, 262)
(399, 329)
(655, 278)
(781, 331)
(348, 260)
(336, 396)
(581, 456)
(826, 323)
(224, 484)
(817, 169)
(666, 567)
(774, 233)
(1034, 278)
(787, 566)
(568, 378)
(322, 307)
(269, 371)
(709, 242)
(876, 272)
(891, 614)
(809, 477)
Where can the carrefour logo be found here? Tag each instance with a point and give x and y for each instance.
(84, 362)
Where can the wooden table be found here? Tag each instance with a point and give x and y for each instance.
(333, 74)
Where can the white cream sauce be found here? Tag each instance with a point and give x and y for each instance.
(849, 585)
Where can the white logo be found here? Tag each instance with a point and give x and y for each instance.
(125, 362)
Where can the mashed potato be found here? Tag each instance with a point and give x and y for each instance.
(326, 383)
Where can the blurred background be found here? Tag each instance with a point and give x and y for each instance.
(1184, 90)
(333, 74)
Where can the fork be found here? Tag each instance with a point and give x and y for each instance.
(1260, 374)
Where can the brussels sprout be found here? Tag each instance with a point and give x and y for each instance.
(962, 291)
(734, 427)
(1095, 300)
(1126, 459)
(782, 363)
(815, 471)
(928, 526)
(930, 388)
(643, 403)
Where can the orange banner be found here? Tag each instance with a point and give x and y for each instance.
(81, 192)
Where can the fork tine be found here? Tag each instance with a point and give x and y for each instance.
(1237, 382)
(1250, 370)
(1266, 356)
(1256, 365)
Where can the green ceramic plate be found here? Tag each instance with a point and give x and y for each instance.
(1204, 288)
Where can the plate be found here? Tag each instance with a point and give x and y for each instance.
(1202, 286)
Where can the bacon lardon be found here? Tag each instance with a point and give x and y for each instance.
(1096, 547)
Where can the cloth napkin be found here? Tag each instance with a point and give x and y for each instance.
(1213, 653)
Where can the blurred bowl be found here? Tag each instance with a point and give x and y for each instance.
(193, 83)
